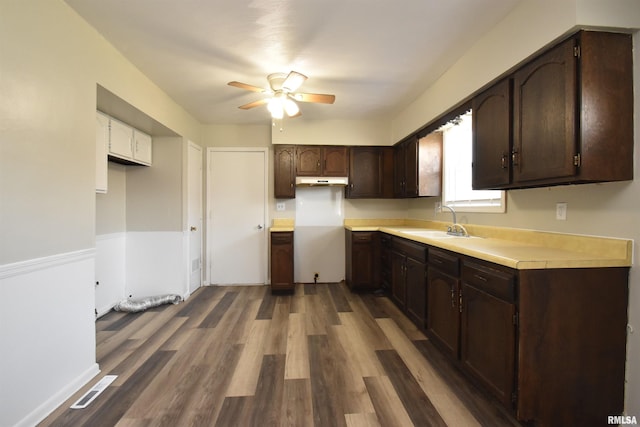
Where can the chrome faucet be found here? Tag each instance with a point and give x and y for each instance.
(455, 229)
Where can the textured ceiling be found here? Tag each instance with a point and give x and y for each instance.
(376, 56)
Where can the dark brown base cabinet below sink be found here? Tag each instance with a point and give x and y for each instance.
(549, 344)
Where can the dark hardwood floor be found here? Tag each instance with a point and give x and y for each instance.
(240, 356)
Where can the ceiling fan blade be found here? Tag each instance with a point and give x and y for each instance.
(315, 97)
(293, 81)
(246, 86)
(254, 104)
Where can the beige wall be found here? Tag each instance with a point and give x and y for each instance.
(332, 132)
(47, 150)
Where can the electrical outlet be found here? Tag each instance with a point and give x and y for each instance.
(280, 206)
(561, 211)
(438, 207)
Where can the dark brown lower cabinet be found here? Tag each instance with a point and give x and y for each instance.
(443, 322)
(282, 261)
(362, 255)
(408, 278)
(488, 328)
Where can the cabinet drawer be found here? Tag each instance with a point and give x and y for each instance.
(498, 283)
(445, 262)
(281, 237)
(362, 236)
(413, 250)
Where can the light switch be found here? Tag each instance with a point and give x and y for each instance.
(561, 211)
(280, 206)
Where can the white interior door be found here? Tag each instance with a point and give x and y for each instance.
(237, 208)
(194, 166)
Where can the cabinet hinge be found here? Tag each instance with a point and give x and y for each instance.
(515, 319)
(576, 51)
(577, 160)
(514, 397)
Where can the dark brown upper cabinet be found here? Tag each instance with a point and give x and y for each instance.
(492, 130)
(284, 172)
(572, 112)
(313, 160)
(418, 166)
(370, 173)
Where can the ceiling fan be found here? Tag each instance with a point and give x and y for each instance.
(282, 94)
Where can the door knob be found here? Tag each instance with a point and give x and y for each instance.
(193, 228)
(259, 226)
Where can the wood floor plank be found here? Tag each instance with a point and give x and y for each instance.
(276, 342)
(297, 352)
(362, 420)
(328, 409)
(358, 347)
(297, 404)
(214, 316)
(339, 299)
(431, 382)
(389, 408)
(245, 378)
(297, 299)
(267, 306)
(267, 402)
(418, 406)
(235, 411)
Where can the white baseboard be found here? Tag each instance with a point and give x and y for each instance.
(50, 405)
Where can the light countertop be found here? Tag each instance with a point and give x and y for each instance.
(282, 225)
(515, 248)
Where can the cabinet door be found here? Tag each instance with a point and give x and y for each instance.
(365, 173)
(491, 167)
(335, 161)
(411, 168)
(545, 96)
(488, 341)
(282, 261)
(398, 281)
(443, 317)
(284, 172)
(308, 161)
(142, 147)
(102, 143)
(120, 140)
(417, 292)
(364, 261)
(399, 170)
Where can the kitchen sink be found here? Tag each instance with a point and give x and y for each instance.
(435, 234)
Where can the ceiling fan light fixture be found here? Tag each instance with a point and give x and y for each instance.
(291, 107)
(276, 107)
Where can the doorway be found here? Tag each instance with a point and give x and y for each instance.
(237, 207)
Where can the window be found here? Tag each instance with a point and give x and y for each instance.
(456, 175)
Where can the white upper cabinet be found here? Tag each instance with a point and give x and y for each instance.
(142, 147)
(120, 140)
(125, 144)
(102, 143)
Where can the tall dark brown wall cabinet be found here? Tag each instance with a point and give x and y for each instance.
(284, 172)
(370, 173)
(569, 118)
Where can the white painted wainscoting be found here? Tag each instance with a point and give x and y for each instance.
(156, 263)
(111, 257)
(47, 334)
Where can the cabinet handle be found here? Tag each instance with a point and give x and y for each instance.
(318, 165)
(515, 158)
(504, 160)
(291, 184)
(453, 297)
(460, 301)
(479, 277)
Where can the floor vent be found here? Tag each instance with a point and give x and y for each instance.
(95, 391)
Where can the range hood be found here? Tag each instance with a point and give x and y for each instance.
(309, 181)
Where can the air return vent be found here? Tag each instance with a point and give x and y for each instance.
(95, 391)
